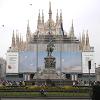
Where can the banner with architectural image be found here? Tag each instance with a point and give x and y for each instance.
(12, 62)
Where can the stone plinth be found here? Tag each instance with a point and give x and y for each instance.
(50, 62)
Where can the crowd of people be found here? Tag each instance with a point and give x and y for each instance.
(12, 83)
(23, 83)
(85, 83)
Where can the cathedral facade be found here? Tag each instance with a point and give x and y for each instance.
(53, 29)
(63, 41)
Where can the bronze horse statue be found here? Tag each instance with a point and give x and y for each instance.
(50, 48)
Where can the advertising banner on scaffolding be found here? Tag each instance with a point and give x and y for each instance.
(86, 57)
(12, 62)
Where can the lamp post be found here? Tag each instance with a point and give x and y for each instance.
(89, 67)
(95, 66)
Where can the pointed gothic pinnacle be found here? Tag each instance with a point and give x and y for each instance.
(80, 37)
(83, 37)
(28, 26)
(83, 32)
(87, 32)
(13, 34)
(20, 37)
(39, 15)
(87, 37)
(42, 13)
(60, 15)
(28, 23)
(42, 16)
(16, 34)
(57, 12)
(49, 7)
(50, 11)
(72, 27)
(13, 31)
(72, 23)
(57, 16)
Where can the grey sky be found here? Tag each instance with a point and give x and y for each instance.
(15, 13)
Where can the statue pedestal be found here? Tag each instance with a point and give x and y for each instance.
(50, 70)
(50, 62)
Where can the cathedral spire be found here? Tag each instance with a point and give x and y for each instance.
(20, 42)
(13, 35)
(17, 40)
(20, 39)
(80, 40)
(87, 41)
(39, 20)
(83, 41)
(87, 38)
(57, 17)
(28, 28)
(72, 30)
(39, 17)
(50, 11)
(60, 15)
(72, 23)
(13, 40)
(42, 17)
(28, 35)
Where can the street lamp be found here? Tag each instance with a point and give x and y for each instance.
(95, 66)
(89, 67)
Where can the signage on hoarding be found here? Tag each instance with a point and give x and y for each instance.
(12, 62)
(88, 62)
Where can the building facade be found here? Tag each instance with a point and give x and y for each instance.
(66, 45)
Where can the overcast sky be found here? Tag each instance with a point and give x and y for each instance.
(15, 13)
